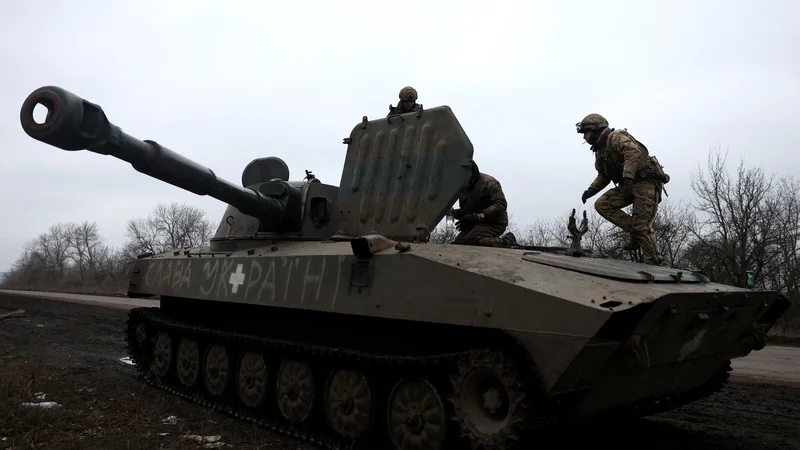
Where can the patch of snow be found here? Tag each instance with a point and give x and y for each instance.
(126, 360)
(210, 441)
(45, 405)
(171, 420)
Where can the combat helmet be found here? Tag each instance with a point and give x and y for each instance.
(592, 122)
(408, 94)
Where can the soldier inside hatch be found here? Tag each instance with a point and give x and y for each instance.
(407, 103)
(482, 217)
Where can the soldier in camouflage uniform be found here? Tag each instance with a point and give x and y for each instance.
(620, 158)
(407, 103)
(482, 216)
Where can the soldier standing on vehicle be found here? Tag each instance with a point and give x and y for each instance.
(407, 103)
(620, 158)
(482, 217)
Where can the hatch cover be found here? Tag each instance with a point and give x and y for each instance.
(402, 174)
(616, 269)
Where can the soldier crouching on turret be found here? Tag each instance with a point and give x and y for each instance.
(482, 216)
(407, 103)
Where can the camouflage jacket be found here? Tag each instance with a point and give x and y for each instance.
(486, 197)
(618, 155)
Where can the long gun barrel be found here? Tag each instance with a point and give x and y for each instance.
(75, 124)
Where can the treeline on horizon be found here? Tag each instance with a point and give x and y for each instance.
(740, 221)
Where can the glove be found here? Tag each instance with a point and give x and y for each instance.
(587, 194)
(457, 214)
(467, 221)
(626, 187)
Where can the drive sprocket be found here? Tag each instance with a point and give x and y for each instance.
(487, 399)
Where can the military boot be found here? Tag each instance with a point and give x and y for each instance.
(509, 240)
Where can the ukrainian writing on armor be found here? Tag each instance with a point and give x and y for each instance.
(294, 279)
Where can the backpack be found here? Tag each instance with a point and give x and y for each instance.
(653, 169)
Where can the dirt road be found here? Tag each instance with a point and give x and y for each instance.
(773, 364)
(71, 350)
(100, 300)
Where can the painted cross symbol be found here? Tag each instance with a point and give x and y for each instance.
(237, 278)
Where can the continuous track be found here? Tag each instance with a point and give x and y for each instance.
(425, 380)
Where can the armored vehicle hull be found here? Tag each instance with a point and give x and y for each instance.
(322, 312)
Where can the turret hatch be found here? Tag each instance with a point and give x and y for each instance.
(402, 174)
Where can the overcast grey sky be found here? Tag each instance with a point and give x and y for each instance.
(226, 84)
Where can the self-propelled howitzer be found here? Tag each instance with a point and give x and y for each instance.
(322, 311)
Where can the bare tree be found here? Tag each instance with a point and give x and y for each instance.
(444, 233)
(30, 267)
(545, 232)
(604, 238)
(783, 266)
(736, 224)
(72, 256)
(87, 251)
(55, 246)
(513, 226)
(170, 226)
(672, 226)
(45, 258)
(787, 250)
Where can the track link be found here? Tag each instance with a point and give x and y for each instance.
(381, 366)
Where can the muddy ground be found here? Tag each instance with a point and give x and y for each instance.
(71, 353)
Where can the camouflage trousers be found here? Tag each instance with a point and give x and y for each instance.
(482, 234)
(645, 199)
